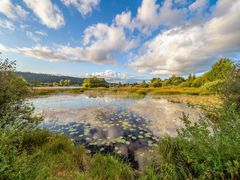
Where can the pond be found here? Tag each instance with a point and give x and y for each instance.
(112, 124)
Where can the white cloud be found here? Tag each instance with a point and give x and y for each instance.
(48, 13)
(100, 42)
(41, 33)
(110, 38)
(7, 24)
(36, 36)
(84, 6)
(109, 74)
(32, 36)
(151, 15)
(12, 11)
(189, 49)
(124, 19)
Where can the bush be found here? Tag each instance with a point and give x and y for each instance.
(108, 167)
(231, 88)
(14, 161)
(202, 150)
(35, 138)
(211, 87)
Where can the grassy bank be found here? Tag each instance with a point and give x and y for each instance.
(137, 90)
(199, 100)
(191, 96)
(39, 154)
(207, 149)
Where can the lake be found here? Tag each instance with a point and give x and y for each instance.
(112, 124)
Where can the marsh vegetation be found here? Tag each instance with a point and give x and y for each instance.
(84, 136)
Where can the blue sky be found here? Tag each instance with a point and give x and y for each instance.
(119, 38)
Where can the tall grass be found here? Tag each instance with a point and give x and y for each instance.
(204, 150)
(38, 154)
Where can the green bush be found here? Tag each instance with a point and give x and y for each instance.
(203, 150)
(213, 87)
(108, 167)
(35, 138)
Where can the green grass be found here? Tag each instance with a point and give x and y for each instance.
(38, 154)
(200, 151)
(121, 90)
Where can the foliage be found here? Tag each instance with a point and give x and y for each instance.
(173, 81)
(200, 151)
(108, 167)
(94, 82)
(27, 152)
(219, 71)
(155, 82)
(144, 84)
(65, 82)
(211, 87)
(13, 91)
(38, 79)
(206, 149)
(231, 87)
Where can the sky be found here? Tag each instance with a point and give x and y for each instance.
(119, 39)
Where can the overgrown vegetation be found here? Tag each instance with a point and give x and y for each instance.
(93, 82)
(27, 152)
(207, 84)
(207, 149)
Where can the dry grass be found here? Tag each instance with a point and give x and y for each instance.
(208, 100)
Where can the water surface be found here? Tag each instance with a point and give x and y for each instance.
(110, 124)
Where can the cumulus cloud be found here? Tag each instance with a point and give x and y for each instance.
(110, 38)
(189, 49)
(85, 7)
(48, 13)
(124, 19)
(108, 74)
(151, 15)
(12, 11)
(100, 42)
(7, 24)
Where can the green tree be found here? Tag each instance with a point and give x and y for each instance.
(13, 91)
(206, 149)
(94, 82)
(173, 81)
(155, 82)
(144, 84)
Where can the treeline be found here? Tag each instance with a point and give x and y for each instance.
(209, 82)
(206, 149)
(49, 80)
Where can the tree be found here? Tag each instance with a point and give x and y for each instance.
(231, 88)
(61, 82)
(156, 82)
(189, 81)
(93, 82)
(173, 81)
(13, 91)
(144, 84)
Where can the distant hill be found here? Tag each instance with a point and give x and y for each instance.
(47, 78)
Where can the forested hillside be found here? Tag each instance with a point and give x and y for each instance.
(47, 78)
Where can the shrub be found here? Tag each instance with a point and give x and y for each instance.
(108, 167)
(211, 87)
(35, 138)
(202, 150)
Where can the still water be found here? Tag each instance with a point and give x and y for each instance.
(110, 124)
